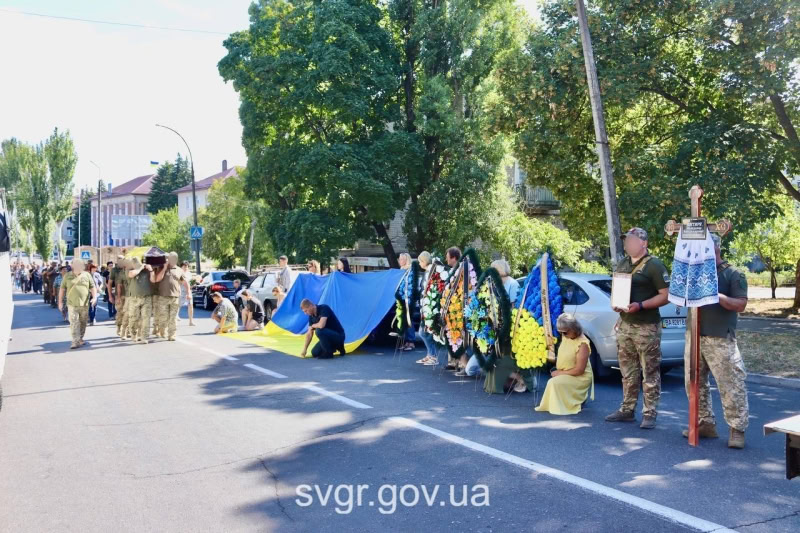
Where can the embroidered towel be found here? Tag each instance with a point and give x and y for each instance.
(694, 273)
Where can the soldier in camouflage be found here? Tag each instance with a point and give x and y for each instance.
(639, 331)
(141, 300)
(169, 281)
(117, 282)
(80, 291)
(719, 354)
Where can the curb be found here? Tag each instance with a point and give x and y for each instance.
(786, 320)
(774, 381)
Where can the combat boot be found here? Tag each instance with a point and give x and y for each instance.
(736, 439)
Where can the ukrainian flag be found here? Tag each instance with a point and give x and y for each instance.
(360, 301)
(154, 164)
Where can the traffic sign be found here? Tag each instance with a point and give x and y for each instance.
(196, 232)
(86, 254)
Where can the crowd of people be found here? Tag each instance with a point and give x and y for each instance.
(638, 330)
(140, 294)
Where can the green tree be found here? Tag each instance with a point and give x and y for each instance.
(232, 221)
(61, 159)
(12, 165)
(775, 241)
(449, 52)
(33, 198)
(696, 92)
(84, 228)
(354, 110)
(169, 177)
(522, 239)
(169, 233)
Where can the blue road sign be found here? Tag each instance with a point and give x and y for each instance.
(196, 232)
(86, 254)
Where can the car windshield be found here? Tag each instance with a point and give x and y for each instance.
(602, 284)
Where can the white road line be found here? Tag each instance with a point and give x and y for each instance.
(337, 397)
(265, 371)
(208, 350)
(673, 515)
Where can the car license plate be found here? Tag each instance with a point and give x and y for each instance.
(670, 323)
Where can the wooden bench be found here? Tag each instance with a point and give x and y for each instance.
(791, 427)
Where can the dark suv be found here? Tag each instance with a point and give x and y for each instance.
(217, 281)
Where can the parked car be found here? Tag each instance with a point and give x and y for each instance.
(588, 297)
(261, 289)
(217, 281)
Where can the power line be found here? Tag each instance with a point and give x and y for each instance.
(112, 23)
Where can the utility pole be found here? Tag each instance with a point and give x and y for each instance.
(99, 219)
(601, 140)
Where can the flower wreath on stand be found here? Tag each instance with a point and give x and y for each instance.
(462, 280)
(431, 301)
(488, 317)
(405, 297)
(528, 334)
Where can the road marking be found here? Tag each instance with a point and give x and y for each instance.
(265, 371)
(208, 350)
(337, 397)
(673, 515)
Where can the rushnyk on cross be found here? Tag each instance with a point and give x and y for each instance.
(721, 227)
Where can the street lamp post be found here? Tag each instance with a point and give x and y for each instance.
(99, 219)
(194, 195)
(80, 205)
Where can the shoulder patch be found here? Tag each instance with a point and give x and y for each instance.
(665, 275)
(742, 281)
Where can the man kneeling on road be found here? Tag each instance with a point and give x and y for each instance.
(330, 333)
(252, 312)
(224, 314)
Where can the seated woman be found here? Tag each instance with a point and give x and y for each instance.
(572, 379)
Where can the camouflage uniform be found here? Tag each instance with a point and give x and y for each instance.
(639, 351)
(159, 320)
(169, 300)
(125, 327)
(77, 291)
(639, 337)
(141, 304)
(119, 278)
(719, 353)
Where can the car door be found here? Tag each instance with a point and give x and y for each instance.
(256, 287)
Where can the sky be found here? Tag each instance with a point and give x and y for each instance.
(109, 84)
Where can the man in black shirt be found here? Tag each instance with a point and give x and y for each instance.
(330, 333)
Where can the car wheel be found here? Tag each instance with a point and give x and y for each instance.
(206, 301)
(598, 368)
(267, 311)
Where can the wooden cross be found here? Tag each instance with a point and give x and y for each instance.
(721, 227)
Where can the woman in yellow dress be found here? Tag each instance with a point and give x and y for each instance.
(572, 380)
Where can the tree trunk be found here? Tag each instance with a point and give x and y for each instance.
(773, 282)
(58, 243)
(250, 244)
(386, 242)
(796, 304)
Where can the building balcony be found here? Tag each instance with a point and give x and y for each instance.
(536, 199)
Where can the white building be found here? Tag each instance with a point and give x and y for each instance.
(124, 217)
(202, 188)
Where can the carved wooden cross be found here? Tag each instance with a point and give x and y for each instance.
(721, 227)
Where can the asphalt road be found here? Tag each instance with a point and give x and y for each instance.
(184, 436)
